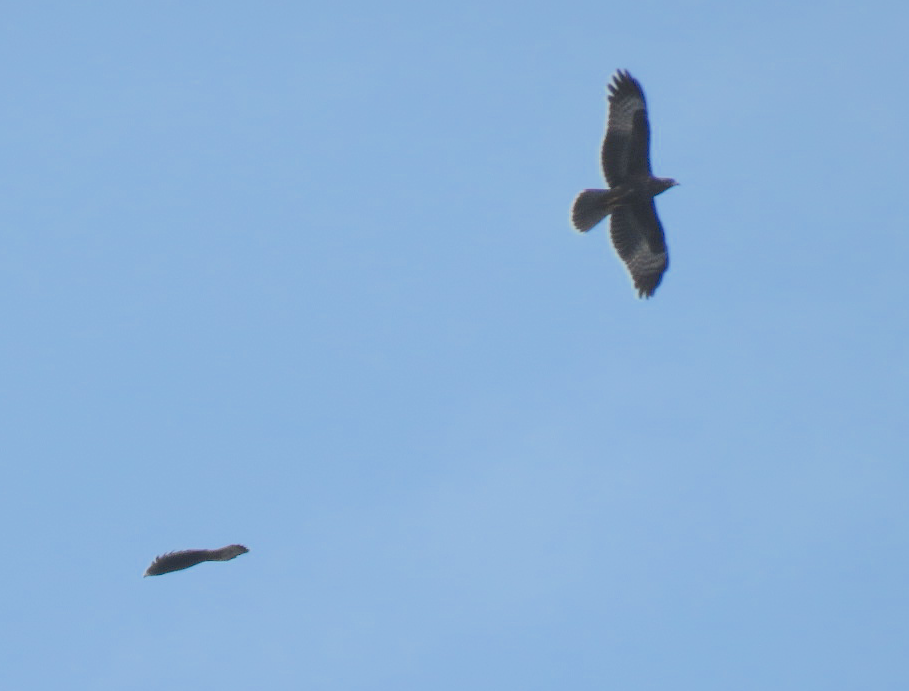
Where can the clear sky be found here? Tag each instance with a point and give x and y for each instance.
(300, 276)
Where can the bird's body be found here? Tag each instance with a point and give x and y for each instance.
(634, 227)
(176, 561)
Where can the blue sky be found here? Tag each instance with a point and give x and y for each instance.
(301, 277)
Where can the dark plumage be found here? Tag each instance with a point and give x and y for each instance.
(175, 561)
(635, 228)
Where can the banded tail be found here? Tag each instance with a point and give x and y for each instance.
(592, 206)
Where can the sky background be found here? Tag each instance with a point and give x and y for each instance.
(300, 276)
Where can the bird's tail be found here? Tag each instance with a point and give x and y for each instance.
(590, 207)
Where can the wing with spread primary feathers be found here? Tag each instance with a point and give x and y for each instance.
(177, 561)
(638, 238)
(626, 148)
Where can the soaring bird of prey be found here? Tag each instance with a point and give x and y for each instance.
(635, 228)
(175, 561)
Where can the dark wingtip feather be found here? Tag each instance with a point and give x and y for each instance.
(646, 292)
(623, 83)
(648, 283)
(234, 550)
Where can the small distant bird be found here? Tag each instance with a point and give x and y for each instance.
(176, 561)
(635, 228)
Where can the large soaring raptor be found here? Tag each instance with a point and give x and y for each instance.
(635, 229)
(175, 561)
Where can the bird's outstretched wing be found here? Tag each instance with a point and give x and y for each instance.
(176, 561)
(626, 148)
(638, 238)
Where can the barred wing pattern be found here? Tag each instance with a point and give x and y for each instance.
(177, 561)
(638, 238)
(626, 147)
(635, 228)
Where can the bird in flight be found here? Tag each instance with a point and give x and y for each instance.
(634, 227)
(175, 561)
